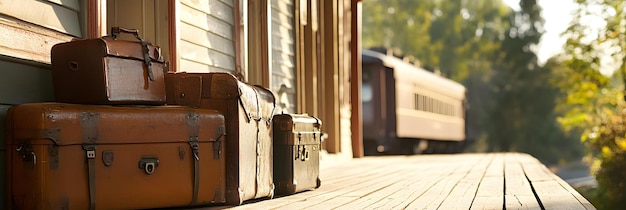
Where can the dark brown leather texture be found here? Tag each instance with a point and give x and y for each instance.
(248, 110)
(68, 156)
(108, 71)
(297, 143)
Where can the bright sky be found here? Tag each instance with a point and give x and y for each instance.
(557, 15)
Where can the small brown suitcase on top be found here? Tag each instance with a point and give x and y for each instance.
(108, 71)
(297, 144)
(248, 111)
(68, 156)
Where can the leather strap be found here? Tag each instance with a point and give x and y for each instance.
(258, 160)
(217, 144)
(193, 123)
(146, 58)
(91, 165)
(89, 122)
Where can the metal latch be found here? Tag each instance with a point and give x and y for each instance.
(149, 164)
(90, 151)
(27, 153)
(302, 153)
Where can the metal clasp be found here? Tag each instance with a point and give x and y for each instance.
(149, 164)
(302, 153)
(90, 151)
(27, 154)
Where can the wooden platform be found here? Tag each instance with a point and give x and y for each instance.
(463, 181)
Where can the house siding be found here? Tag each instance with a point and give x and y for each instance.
(283, 55)
(28, 30)
(206, 36)
(59, 15)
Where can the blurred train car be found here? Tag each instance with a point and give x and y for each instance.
(408, 110)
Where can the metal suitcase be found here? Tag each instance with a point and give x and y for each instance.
(68, 156)
(248, 110)
(108, 71)
(297, 144)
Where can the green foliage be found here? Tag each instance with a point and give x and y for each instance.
(458, 38)
(593, 103)
(607, 143)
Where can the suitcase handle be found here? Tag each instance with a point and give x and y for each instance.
(115, 31)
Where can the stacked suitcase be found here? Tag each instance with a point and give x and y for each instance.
(112, 143)
(102, 147)
(248, 111)
(70, 156)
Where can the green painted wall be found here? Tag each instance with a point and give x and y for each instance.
(22, 83)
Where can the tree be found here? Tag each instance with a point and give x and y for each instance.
(593, 102)
(525, 100)
(400, 24)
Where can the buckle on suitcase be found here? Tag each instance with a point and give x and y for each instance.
(194, 147)
(90, 151)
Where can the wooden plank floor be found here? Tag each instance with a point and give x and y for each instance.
(462, 181)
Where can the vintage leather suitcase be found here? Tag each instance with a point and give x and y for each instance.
(248, 110)
(68, 156)
(297, 142)
(108, 71)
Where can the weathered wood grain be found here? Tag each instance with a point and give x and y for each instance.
(518, 193)
(463, 181)
(463, 193)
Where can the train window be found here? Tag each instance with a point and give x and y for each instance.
(366, 87)
(366, 92)
(417, 101)
(430, 104)
(439, 107)
(443, 108)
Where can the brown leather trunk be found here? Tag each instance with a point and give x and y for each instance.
(67, 156)
(297, 141)
(248, 111)
(108, 71)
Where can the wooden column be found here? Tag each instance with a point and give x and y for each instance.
(96, 16)
(174, 35)
(329, 90)
(355, 80)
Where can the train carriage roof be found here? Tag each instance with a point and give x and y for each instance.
(406, 71)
